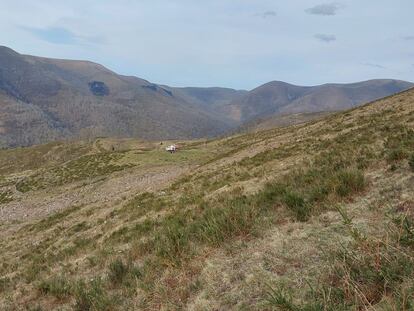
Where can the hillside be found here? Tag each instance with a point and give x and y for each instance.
(48, 99)
(316, 216)
(280, 98)
(214, 100)
(281, 120)
(44, 100)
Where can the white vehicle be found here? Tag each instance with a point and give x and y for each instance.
(171, 148)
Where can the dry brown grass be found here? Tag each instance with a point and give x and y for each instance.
(223, 228)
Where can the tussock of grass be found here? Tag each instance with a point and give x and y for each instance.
(399, 144)
(238, 218)
(5, 284)
(281, 299)
(92, 296)
(58, 287)
(117, 271)
(350, 182)
(6, 197)
(411, 162)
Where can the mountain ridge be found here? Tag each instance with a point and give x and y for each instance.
(45, 99)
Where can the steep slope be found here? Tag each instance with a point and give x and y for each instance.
(277, 97)
(281, 120)
(78, 99)
(317, 216)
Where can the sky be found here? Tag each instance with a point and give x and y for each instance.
(230, 43)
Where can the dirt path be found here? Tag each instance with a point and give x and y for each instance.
(121, 185)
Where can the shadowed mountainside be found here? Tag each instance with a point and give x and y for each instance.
(47, 99)
(43, 100)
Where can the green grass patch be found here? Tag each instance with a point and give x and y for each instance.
(85, 167)
(121, 273)
(92, 296)
(6, 197)
(411, 162)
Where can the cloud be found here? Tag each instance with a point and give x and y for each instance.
(408, 38)
(325, 38)
(266, 14)
(63, 36)
(55, 35)
(326, 9)
(375, 65)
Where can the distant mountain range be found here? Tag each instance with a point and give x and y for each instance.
(44, 99)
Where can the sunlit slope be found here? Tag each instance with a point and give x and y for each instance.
(317, 216)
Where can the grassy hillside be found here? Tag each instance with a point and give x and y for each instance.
(282, 121)
(316, 216)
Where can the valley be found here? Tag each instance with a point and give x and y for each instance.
(46, 100)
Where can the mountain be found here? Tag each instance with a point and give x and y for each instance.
(47, 99)
(214, 100)
(316, 216)
(44, 100)
(280, 98)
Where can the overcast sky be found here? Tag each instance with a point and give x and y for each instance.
(231, 43)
